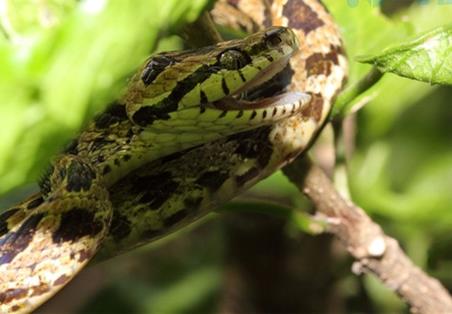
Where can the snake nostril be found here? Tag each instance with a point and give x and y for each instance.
(154, 67)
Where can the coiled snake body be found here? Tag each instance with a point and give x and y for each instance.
(176, 145)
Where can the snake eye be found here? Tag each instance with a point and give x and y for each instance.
(154, 67)
(233, 59)
(272, 38)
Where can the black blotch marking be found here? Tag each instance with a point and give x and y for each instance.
(126, 157)
(147, 114)
(175, 218)
(204, 101)
(269, 58)
(71, 148)
(242, 77)
(254, 144)
(120, 226)
(258, 67)
(35, 203)
(117, 162)
(62, 173)
(151, 234)
(100, 142)
(224, 86)
(106, 170)
(129, 135)
(16, 242)
(202, 107)
(172, 157)
(275, 111)
(75, 224)
(79, 177)
(247, 176)
(192, 203)
(114, 113)
(212, 180)
(3, 217)
(154, 67)
(157, 189)
(44, 182)
(239, 114)
(253, 115)
(301, 16)
(324, 6)
(223, 114)
(264, 114)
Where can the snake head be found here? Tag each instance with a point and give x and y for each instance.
(172, 82)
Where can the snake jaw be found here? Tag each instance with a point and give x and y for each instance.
(280, 100)
(266, 75)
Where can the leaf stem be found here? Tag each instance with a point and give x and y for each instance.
(345, 102)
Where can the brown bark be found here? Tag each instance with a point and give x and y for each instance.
(373, 251)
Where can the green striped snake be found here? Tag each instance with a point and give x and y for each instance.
(178, 143)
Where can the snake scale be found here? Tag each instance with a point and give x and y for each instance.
(192, 130)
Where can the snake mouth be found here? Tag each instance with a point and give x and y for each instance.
(264, 76)
(240, 100)
(285, 99)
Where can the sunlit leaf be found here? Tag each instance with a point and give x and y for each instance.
(427, 58)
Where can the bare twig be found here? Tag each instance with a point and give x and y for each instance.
(374, 251)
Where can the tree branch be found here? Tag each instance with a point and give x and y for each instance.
(374, 251)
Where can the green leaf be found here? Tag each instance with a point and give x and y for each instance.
(364, 29)
(427, 58)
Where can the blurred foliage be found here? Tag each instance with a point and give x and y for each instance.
(63, 61)
(61, 57)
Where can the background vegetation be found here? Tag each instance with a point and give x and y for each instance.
(61, 61)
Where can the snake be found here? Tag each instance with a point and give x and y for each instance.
(192, 130)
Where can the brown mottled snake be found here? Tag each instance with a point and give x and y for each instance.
(193, 129)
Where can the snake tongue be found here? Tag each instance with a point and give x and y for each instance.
(265, 75)
(285, 99)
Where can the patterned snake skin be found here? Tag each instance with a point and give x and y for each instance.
(139, 197)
